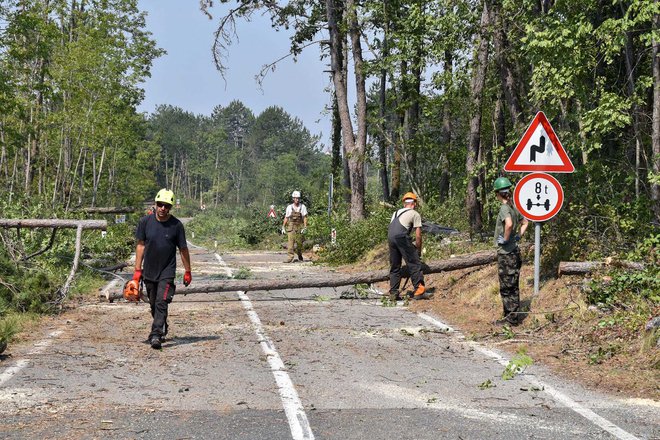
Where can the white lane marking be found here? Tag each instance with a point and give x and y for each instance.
(555, 394)
(441, 325)
(39, 347)
(293, 408)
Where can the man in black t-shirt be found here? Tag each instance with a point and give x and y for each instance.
(158, 235)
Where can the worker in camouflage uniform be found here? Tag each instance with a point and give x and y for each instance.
(508, 253)
(295, 226)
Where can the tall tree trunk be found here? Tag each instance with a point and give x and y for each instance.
(382, 93)
(508, 80)
(58, 177)
(655, 158)
(445, 136)
(13, 176)
(357, 153)
(337, 168)
(630, 81)
(355, 145)
(395, 191)
(172, 182)
(216, 176)
(82, 179)
(412, 119)
(3, 153)
(73, 180)
(28, 160)
(477, 90)
(97, 176)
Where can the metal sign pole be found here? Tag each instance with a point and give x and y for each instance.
(330, 195)
(537, 256)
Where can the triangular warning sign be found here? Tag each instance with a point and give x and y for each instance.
(539, 150)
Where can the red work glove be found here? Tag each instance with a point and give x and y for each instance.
(187, 278)
(137, 275)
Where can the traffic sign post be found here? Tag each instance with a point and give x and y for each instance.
(539, 196)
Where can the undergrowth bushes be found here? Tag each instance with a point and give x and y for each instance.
(623, 287)
(353, 240)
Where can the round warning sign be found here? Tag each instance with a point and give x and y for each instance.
(538, 197)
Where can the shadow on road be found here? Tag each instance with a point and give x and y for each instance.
(188, 340)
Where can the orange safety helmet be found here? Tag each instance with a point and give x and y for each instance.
(409, 195)
(132, 291)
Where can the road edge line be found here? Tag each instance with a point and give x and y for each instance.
(39, 348)
(556, 395)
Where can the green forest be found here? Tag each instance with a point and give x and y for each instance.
(429, 96)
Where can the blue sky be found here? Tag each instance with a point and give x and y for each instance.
(186, 77)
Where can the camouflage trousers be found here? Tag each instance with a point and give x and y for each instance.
(508, 267)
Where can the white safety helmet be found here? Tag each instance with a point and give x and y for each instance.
(295, 194)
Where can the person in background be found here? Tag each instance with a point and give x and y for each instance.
(509, 261)
(158, 236)
(295, 226)
(403, 222)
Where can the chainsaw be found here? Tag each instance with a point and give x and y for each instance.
(134, 291)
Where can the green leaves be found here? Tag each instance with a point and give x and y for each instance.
(517, 365)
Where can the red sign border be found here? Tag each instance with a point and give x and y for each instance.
(549, 215)
(566, 167)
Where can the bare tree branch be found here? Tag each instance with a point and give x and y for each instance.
(270, 67)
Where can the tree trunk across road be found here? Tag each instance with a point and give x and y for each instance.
(456, 263)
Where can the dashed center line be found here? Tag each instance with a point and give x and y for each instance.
(293, 408)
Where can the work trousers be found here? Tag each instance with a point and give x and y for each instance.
(401, 247)
(295, 237)
(160, 296)
(508, 268)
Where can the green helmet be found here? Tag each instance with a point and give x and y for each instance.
(165, 196)
(501, 183)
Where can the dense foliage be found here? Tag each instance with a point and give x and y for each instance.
(233, 158)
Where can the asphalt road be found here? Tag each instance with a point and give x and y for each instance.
(298, 364)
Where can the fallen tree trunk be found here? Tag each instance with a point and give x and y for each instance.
(587, 267)
(114, 268)
(52, 223)
(108, 210)
(333, 279)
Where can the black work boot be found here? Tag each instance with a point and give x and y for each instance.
(300, 257)
(155, 342)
